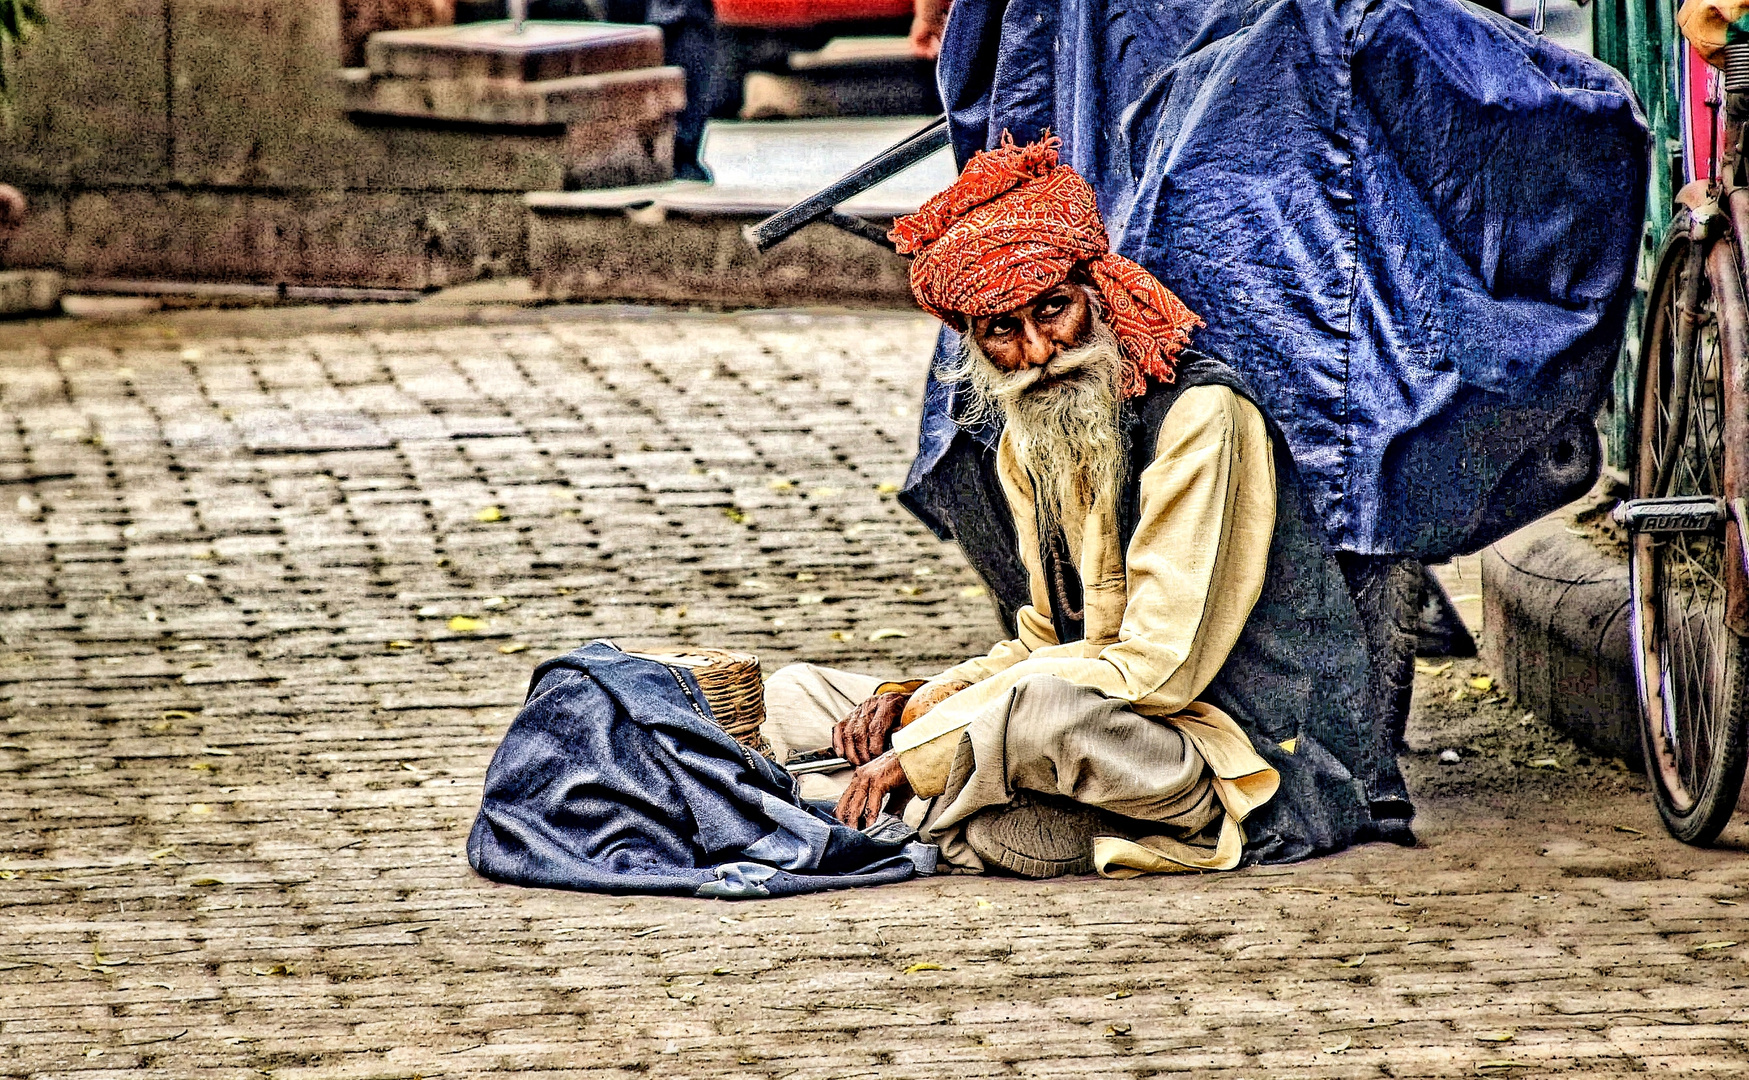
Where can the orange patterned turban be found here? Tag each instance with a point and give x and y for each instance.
(1013, 225)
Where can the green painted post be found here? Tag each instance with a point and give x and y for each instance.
(1638, 38)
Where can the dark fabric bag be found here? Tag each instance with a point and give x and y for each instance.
(614, 778)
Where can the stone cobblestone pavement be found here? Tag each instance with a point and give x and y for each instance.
(272, 586)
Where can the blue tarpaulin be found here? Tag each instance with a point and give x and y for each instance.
(1411, 226)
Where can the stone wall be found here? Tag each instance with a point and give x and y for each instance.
(208, 140)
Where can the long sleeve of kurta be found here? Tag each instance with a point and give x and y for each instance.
(1162, 616)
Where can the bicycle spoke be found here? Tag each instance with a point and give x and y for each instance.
(1689, 662)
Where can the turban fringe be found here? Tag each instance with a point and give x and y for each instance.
(1016, 223)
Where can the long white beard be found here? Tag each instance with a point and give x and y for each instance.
(1062, 419)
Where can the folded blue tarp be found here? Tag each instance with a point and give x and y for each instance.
(1412, 226)
(613, 778)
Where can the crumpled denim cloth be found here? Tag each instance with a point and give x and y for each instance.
(614, 778)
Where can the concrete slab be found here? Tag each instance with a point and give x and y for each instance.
(1557, 618)
(495, 50)
(634, 97)
(682, 241)
(874, 50)
(672, 256)
(762, 168)
(383, 239)
(849, 76)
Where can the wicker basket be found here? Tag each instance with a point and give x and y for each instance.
(732, 685)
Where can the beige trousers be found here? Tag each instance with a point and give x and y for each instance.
(803, 703)
(1049, 736)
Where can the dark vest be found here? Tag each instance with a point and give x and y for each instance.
(1299, 672)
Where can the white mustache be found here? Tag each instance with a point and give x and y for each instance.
(1008, 385)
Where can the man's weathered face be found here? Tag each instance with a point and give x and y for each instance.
(1035, 333)
(1051, 369)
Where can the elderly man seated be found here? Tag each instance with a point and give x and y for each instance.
(1186, 689)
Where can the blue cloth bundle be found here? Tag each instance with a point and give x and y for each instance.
(613, 778)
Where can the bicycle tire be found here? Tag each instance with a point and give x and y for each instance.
(1692, 671)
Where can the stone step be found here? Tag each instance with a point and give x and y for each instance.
(494, 50)
(764, 167)
(630, 98)
(681, 242)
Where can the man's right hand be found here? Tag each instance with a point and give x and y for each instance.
(928, 697)
(862, 736)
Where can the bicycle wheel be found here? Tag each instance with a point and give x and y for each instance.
(1690, 667)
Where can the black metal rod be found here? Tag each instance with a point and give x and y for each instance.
(896, 159)
(860, 226)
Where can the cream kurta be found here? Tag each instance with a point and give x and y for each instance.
(1160, 619)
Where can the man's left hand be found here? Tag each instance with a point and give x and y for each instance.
(869, 787)
(861, 736)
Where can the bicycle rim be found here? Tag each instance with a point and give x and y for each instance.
(1690, 666)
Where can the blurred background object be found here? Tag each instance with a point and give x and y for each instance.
(359, 19)
(806, 58)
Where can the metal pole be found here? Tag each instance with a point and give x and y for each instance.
(764, 235)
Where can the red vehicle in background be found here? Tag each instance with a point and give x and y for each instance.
(761, 35)
(805, 15)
